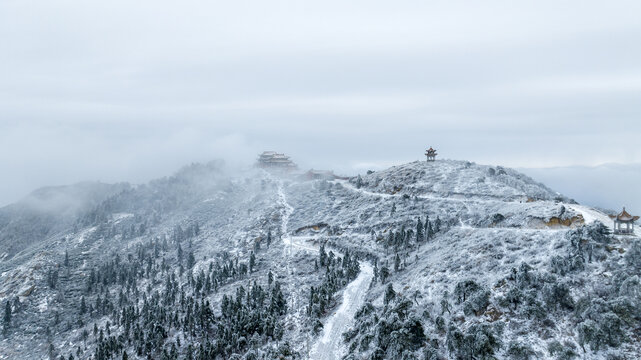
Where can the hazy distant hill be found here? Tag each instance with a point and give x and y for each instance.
(47, 211)
(608, 186)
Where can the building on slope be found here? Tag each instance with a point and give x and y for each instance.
(319, 175)
(430, 154)
(272, 160)
(624, 219)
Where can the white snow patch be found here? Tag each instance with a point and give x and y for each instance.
(44, 305)
(591, 215)
(83, 235)
(120, 216)
(330, 345)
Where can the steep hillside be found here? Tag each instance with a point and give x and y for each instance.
(47, 211)
(426, 260)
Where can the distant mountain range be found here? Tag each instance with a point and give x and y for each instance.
(607, 186)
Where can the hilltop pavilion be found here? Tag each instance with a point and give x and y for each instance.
(430, 154)
(624, 219)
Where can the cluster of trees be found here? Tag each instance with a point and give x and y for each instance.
(138, 226)
(338, 272)
(147, 304)
(535, 294)
(473, 297)
(604, 318)
(247, 320)
(586, 243)
(404, 239)
(179, 234)
(479, 341)
(394, 331)
(407, 238)
(601, 318)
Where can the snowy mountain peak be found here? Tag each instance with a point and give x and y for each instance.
(458, 179)
(428, 260)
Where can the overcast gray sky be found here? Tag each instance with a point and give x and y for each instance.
(131, 90)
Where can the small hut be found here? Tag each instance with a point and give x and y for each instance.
(624, 219)
(430, 154)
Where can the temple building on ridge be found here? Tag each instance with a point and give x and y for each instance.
(321, 175)
(624, 219)
(275, 161)
(430, 154)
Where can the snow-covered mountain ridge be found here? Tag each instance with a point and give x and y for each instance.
(465, 261)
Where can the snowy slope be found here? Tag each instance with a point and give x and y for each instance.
(493, 221)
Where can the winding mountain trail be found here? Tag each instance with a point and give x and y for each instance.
(464, 202)
(286, 213)
(329, 345)
(591, 215)
(347, 184)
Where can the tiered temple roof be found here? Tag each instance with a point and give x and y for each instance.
(621, 219)
(624, 216)
(431, 154)
(274, 160)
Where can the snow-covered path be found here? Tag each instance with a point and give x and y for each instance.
(286, 213)
(590, 215)
(350, 186)
(329, 345)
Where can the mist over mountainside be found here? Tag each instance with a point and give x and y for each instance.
(425, 260)
(48, 210)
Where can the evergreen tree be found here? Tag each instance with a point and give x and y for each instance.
(252, 262)
(7, 315)
(190, 259)
(397, 263)
(83, 306)
(389, 294)
(52, 278)
(384, 274)
(322, 255)
(269, 238)
(419, 230)
(66, 258)
(376, 271)
(179, 254)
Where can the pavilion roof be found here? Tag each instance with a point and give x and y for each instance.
(624, 216)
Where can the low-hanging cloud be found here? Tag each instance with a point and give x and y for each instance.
(122, 91)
